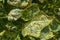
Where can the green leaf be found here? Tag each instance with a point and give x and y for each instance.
(18, 38)
(55, 26)
(30, 12)
(46, 34)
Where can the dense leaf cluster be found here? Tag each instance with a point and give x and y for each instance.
(29, 19)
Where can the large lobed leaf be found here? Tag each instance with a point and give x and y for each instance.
(34, 27)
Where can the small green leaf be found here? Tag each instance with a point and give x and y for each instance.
(18, 38)
(55, 26)
(46, 34)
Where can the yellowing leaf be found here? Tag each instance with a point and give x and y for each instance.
(1, 33)
(35, 26)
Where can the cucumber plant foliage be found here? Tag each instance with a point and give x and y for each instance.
(29, 19)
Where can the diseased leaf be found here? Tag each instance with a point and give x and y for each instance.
(34, 27)
(14, 14)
